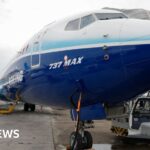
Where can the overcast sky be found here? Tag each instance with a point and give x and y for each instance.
(20, 19)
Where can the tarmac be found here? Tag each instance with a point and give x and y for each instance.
(49, 129)
(35, 131)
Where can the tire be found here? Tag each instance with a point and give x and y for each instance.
(87, 140)
(26, 107)
(78, 144)
(32, 107)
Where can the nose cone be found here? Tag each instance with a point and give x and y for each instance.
(135, 30)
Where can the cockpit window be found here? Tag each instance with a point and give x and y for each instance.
(107, 16)
(73, 25)
(86, 21)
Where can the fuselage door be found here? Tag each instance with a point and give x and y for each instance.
(35, 56)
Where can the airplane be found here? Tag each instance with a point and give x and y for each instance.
(86, 63)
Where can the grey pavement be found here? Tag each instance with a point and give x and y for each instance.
(36, 131)
(49, 129)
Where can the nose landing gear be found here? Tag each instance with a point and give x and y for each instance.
(81, 139)
(28, 107)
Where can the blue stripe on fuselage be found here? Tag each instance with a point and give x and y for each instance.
(69, 43)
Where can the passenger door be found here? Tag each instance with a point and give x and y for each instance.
(35, 55)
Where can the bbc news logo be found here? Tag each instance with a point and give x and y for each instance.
(9, 134)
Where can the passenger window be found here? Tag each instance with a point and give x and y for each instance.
(86, 21)
(35, 46)
(73, 25)
(107, 16)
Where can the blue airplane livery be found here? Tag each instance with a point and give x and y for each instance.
(86, 63)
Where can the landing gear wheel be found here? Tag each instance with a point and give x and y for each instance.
(87, 140)
(26, 107)
(32, 107)
(78, 143)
